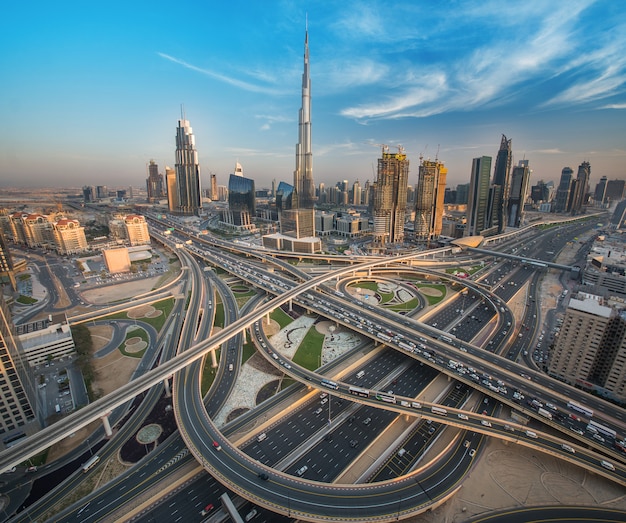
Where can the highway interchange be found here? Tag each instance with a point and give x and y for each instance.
(398, 497)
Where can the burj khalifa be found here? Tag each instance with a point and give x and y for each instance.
(304, 190)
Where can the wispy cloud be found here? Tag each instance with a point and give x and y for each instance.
(246, 86)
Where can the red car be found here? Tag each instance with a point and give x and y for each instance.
(217, 445)
(206, 509)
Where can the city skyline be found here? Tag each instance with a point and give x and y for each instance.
(90, 93)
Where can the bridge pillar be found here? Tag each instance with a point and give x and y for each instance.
(268, 318)
(290, 305)
(213, 359)
(168, 390)
(107, 425)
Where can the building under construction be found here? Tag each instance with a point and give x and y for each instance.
(431, 187)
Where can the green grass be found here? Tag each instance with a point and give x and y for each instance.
(406, 306)
(26, 300)
(219, 315)
(23, 277)
(310, 350)
(281, 317)
(208, 373)
(248, 351)
(135, 333)
(371, 285)
(433, 300)
(165, 306)
(386, 297)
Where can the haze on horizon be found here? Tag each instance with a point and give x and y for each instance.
(92, 92)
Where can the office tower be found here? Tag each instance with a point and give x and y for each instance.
(501, 182)
(213, 196)
(172, 189)
(564, 190)
(356, 193)
(137, 229)
(241, 201)
(298, 223)
(478, 197)
(462, 193)
(600, 192)
(581, 188)
(89, 194)
(618, 219)
(429, 196)
(304, 190)
(615, 190)
(366, 193)
(187, 171)
(284, 196)
(102, 191)
(520, 177)
(154, 183)
(238, 169)
(69, 236)
(18, 397)
(7, 272)
(591, 347)
(390, 197)
(273, 195)
(540, 192)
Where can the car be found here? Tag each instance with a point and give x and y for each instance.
(566, 447)
(302, 470)
(472, 453)
(206, 509)
(577, 430)
(466, 443)
(509, 428)
(463, 416)
(319, 409)
(485, 423)
(367, 421)
(324, 401)
(323, 395)
(263, 476)
(354, 443)
(217, 446)
(599, 438)
(251, 514)
(31, 469)
(431, 430)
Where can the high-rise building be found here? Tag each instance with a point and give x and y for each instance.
(304, 189)
(187, 171)
(591, 348)
(137, 229)
(429, 196)
(172, 189)
(581, 188)
(600, 193)
(89, 193)
(615, 190)
(213, 195)
(356, 193)
(563, 193)
(520, 177)
(540, 192)
(501, 183)
(154, 183)
(69, 236)
(7, 272)
(390, 197)
(241, 201)
(462, 192)
(478, 197)
(18, 396)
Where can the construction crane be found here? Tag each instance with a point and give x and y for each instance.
(385, 147)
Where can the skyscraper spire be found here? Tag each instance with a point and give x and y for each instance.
(304, 189)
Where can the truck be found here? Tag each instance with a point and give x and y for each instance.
(545, 413)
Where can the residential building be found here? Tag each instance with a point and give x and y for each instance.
(137, 229)
(172, 189)
(69, 236)
(429, 200)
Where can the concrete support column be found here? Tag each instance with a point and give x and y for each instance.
(268, 318)
(290, 305)
(107, 425)
(213, 359)
(168, 389)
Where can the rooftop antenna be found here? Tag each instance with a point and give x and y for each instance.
(182, 111)
(437, 155)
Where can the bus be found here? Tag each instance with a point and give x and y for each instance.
(439, 410)
(579, 408)
(447, 339)
(602, 429)
(356, 391)
(91, 462)
(545, 413)
(389, 398)
(13, 439)
(329, 384)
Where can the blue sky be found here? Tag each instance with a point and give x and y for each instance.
(91, 91)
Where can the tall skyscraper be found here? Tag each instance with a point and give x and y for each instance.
(520, 177)
(581, 188)
(615, 190)
(501, 182)
(187, 171)
(214, 195)
(390, 197)
(478, 197)
(304, 189)
(7, 272)
(18, 396)
(356, 193)
(154, 183)
(241, 201)
(429, 196)
(172, 189)
(563, 200)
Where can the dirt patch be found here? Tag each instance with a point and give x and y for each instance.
(113, 371)
(120, 291)
(141, 312)
(430, 291)
(100, 335)
(135, 346)
(270, 329)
